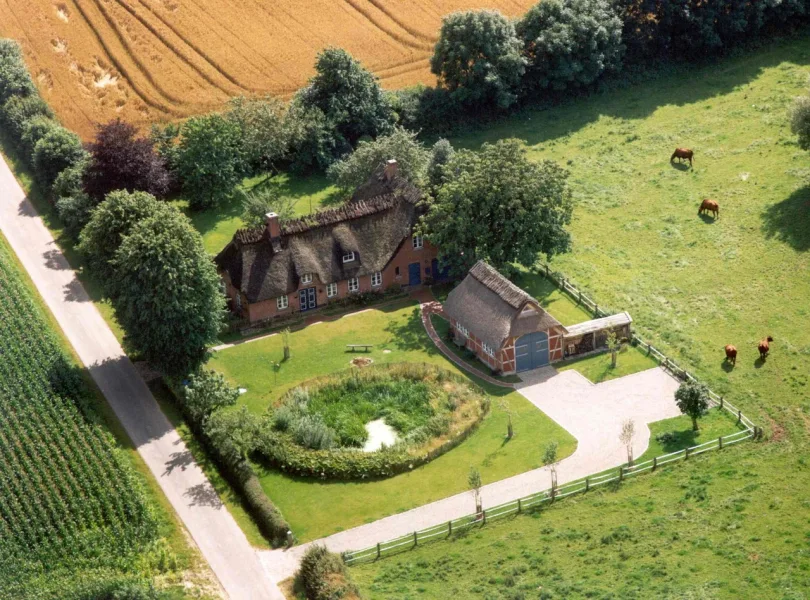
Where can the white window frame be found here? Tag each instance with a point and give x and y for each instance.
(282, 302)
(356, 285)
(462, 330)
(487, 350)
(306, 278)
(376, 279)
(418, 242)
(348, 257)
(331, 290)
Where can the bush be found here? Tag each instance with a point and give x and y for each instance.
(55, 152)
(75, 212)
(35, 129)
(323, 576)
(206, 392)
(314, 143)
(69, 181)
(15, 80)
(18, 110)
(800, 120)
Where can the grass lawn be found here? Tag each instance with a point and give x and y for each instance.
(555, 301)
(320, 349)
(729, 524)
(714, 424)
(597, 367)
(218, 225)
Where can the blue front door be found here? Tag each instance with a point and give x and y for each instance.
(531, 351)
(414, 273)
(307, 299)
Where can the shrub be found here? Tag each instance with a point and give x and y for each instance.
(18, 110)
(800, 120)
(478, 59)
(69, 181)
(35, 129)
(314, 143)
(311, 432)
(55, 152)
(75, 212)
(206, 392)
(264, 137)
(441, 153)
(569, 44)
(15, 80)
(323, 576)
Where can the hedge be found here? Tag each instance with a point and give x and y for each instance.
(279, 451)
(323, 576)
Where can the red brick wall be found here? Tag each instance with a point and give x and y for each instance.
(267, 309)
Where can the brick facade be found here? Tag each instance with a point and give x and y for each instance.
(396, 272)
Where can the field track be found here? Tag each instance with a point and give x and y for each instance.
(155, 60)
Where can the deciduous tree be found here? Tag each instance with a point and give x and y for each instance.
(206, 392)
(120, 160)
(257, 203)
(693, 400)
(497, 205)
(210, 160)
(264, 137)
(569, 43)
(56, 151)
(478, 59)
(474, 483)
(626, 436)
(440, 155)
(168, 296)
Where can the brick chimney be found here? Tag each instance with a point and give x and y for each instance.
(391, 167)
(273, 227)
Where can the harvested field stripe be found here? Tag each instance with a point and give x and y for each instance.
(204, 55)
(178, 52)
(231, 35)
(401, 69)
(402, 39)
(177, 100)
(142, 94)
(414, 32)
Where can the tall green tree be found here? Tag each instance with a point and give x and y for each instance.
(205, 393)
(349, 96)
(441, 154)
(264, 137)
(109, 222)
(15, 80)
(478, 59)
(168, 293)
(692, 399)
(497, 205)
(570, 43)
(210, 160)
(58, 150)
(411, 155)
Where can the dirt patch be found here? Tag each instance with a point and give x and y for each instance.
(361, 362)
(778, 432)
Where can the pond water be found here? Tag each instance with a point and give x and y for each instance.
(379, 433)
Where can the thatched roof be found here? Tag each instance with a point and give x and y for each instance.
(494, 309)
(372, 228)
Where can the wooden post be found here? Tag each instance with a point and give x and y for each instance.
(587, 483)
(649, 348)
(483, 512)
(548, 271)
(655, 463)
(580, 297)
(449, 528)
(596, 310)
(739, 417)
(621, 473)
(720, 442)
(378, 551)
(721, 402)
(686, 454)
(520, 507)
(415, 539)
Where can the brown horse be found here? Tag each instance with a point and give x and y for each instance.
(731, 354)
(682, 154)
(709, 206)
(764, 347)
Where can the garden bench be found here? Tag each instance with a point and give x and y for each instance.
(355, 346)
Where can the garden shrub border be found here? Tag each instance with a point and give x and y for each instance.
(277, 451)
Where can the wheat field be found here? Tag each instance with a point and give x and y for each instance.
(156, 60)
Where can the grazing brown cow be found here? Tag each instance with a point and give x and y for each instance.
(731, 354)
(709, 206)
(682, 154)
(764, 347)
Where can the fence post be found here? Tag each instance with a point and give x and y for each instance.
(621, 473)
(720, 442)
(595, 310)
(739, 417)
(649, 348)
(655, 463)
(721, 402)
(449, 528)
(686, 454)
(378, 551)
(548, 271)
(484, 512)
(415, 539)
(587, 484)
(519, 506)
(580, 297)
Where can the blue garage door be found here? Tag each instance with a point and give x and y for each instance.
(531, 351)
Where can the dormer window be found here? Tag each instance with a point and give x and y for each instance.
(417, 242)
(348, 257)
(306, 278)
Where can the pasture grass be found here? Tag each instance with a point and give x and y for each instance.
(598, 368)
(319, 508)
(726, 524)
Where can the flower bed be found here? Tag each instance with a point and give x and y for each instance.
(316, 430)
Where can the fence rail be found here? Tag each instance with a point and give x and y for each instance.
(534, 501)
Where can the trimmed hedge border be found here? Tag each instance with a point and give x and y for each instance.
(277, 451)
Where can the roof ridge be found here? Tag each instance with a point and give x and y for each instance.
(492, 279)
(346, 212)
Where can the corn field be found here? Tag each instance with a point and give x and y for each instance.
(67, 499)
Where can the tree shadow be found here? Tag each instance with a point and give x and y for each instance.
(203, 494)
(788, 222)
(178, 460)
(678, 440)
(75, 292)
(55, 260)
(411, 334)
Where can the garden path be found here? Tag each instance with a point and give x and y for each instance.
(592, 413)
(195, 501)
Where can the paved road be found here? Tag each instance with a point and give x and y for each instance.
(219, 538)
(593, 414)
